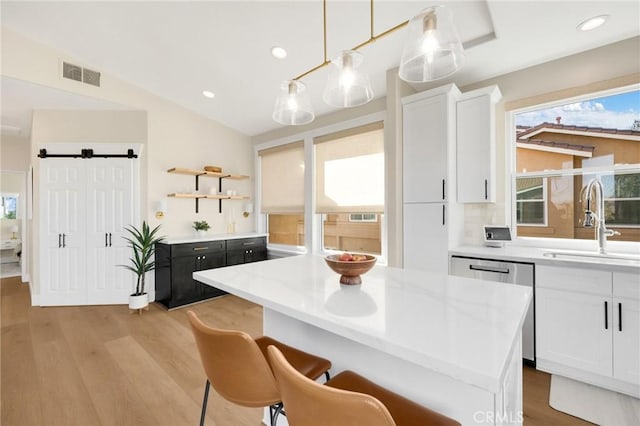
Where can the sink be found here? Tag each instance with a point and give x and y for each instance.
(619, 258)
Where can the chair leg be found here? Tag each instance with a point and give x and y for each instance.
(274, 411)
(204, 402)
(327, 377)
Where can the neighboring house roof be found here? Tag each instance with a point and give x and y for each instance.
(558, 147)
(526, 138)
(580, 130)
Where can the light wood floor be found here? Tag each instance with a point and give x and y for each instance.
(101, 365)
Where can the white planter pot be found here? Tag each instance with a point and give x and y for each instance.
(201, 232)
(139, 301)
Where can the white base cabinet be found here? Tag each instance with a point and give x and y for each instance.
(85, 205)
(588, 326)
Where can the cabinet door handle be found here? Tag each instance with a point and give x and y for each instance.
(619, 316)
(59, 240)
(443, 214)
(606, 315)
(64, 240)
(199, 248)
(109, 239)
(250, 243)
(443, 189)
(486, 191)
(106, 239)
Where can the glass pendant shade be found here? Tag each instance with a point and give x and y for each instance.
(293, 107)
(433, 49)
(346, 85)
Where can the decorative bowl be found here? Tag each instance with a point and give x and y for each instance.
(350, 270)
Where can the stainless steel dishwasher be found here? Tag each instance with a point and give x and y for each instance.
(507, 272)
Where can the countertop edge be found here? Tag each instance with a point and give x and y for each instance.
(213, 237)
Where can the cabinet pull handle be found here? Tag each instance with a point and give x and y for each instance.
(59, 240)
(606, 315)
(106, 239)
(442, 189)
(619, 316)
(496, 270)
(250, 243)
(64, 240)
(443, 214)
(109, 239)
(486, 193)
(199, 248)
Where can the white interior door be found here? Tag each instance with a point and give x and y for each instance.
(109, 211)
(62, 214)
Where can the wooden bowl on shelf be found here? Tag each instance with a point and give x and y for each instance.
(350, 270)
(214, 169)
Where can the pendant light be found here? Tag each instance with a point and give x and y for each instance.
(293, 106)
(346, 86)
(433, 49)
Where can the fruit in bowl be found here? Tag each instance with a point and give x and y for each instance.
(350, 266)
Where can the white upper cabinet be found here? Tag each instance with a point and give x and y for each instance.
(427, 119)
(475, 148)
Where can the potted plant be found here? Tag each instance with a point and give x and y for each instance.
(143, 243)
(201, 226)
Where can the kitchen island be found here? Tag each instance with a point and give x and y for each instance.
(450, 343)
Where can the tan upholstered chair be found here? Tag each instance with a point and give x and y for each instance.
(346, 400)
(237, 368)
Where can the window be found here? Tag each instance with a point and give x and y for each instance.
(282, 193)
(560, 148)
(531, 205)
(363, 217)
(9, 206)
(350, 188)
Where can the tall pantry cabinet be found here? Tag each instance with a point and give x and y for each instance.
(429, 179)
(85, 205)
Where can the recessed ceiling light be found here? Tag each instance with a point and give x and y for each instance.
(208, 94)
(278, 52)
(592, 23)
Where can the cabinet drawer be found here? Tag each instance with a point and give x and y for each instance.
(246, 243)
(191, 249)
(574, 279)
(626, 284)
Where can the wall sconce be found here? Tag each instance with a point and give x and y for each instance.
(161, 208)
(248, 209)
(14, 230)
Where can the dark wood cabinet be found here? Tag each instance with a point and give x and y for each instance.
(246, 250)
(175, 264)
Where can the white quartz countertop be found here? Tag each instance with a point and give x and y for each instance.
(212, 237)
(463, 328)
(537, 255)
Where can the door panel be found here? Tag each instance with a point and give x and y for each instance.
(62, 216)
(425, 237)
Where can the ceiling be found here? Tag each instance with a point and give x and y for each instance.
(178, 49)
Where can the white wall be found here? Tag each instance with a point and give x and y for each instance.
(175, 137)
(14, 153)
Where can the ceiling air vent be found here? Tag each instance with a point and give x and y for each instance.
(91, 77)
(77, 73)
(72, 72)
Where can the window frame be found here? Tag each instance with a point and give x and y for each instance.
(312, 221)
(545, 206)
(510, 176)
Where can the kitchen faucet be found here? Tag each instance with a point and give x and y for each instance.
(590, 217)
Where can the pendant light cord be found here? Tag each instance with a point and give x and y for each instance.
(372, 37)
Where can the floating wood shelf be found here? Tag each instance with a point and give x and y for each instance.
(204, 173)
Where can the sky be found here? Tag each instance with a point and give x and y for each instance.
(613, 112)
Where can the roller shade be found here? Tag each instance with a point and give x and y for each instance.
(282, 179)
(350, 171)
